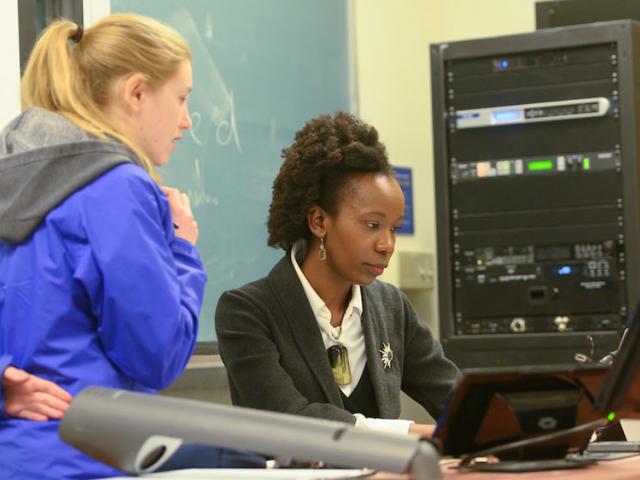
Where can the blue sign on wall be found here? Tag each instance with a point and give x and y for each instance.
(403, 175)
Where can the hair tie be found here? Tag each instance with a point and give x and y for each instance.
(77, 36)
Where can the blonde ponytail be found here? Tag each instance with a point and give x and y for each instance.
(75, 79)
(48, 76)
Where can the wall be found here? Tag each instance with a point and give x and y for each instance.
(465, 19)
(10, 56)
(94, 10)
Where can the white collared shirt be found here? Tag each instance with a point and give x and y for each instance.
(352, 337)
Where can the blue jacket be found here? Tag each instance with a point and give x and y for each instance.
(101, 293)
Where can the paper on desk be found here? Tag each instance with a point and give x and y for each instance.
(255, 474)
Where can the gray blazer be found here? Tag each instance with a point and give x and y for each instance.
(272, 348)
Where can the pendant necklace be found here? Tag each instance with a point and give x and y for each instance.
(339, 358)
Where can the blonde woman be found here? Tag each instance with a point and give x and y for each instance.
(100, 281)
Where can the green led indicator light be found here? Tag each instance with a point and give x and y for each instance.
(586, 163)
(611, 417)
(540, 165)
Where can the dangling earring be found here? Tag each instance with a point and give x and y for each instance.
(323, 251)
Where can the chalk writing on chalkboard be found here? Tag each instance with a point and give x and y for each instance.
(261, 70)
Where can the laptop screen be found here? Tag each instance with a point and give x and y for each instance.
(490, 408)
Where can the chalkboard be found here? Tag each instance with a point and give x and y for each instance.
(261, 69)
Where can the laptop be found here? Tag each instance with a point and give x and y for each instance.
(493, 408)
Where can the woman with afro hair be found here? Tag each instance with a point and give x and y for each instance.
(319, 335)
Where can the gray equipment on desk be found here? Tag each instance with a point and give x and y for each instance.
(138, 432)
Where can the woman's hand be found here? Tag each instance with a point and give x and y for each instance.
(422, 429)
(183, 221)
(33, 398)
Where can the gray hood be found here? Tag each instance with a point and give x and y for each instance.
(44, 158)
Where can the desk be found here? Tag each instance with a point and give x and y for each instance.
(625, 469)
